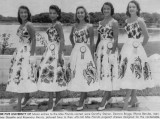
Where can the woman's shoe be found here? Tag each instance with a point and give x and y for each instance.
(102, 108)
(81, 107)
(50, 110)
(107, 102)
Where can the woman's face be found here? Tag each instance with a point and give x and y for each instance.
(106, 10)
(23, 14)
(132, 8)
(53, 14)
(80, 14)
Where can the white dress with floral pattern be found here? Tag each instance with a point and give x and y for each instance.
(51, 73)
(83, 70)
(22, 77)
(134, 69)
(107, 63)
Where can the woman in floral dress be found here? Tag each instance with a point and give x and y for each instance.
(107, 54)
(83, 70)
(134, 70)
(52, 78)
(22, 78)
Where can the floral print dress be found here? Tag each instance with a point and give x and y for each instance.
(51, 73)
(134, 69)
(107, 63)
(82, 68)
(22, 76)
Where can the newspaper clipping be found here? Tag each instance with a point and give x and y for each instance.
(79, 59)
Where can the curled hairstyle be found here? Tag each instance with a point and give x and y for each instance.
(86, 18)
(57, 9)
(110, 5)
(137, 5)
(29, 14)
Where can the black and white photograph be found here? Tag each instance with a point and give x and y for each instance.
(79, 55)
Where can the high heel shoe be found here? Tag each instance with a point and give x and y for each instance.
(54, 106)
(49, 110)
(81, 107)
(107, 102)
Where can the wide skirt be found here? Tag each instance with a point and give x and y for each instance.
(51, 73)
(83, 70)
(134, 69)
(22, 73)
(107, 66)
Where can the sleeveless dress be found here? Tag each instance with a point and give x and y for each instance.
(83, 70)
(22, 77)
(107, 63)
(51, 73)
(134, 69)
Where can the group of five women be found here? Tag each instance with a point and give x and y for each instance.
(90, 69)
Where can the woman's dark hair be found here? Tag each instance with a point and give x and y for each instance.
(86, 18)
(57, 9)
(111, 6)
(29, 14)
(137, 5)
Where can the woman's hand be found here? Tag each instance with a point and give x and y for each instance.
(112, 58)
(73, 46)
(32, 60)
(60, 60)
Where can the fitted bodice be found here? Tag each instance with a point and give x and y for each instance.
(81, 36)
(53, 34)
(105, 31)
(133, 30)
(24, 35)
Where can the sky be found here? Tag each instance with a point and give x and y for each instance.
(10, 7)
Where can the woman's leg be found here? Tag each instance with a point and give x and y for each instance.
(106, 97)
(133, 97)
(50, 102)
(20, 95)
(128, 93)
(58, 97)
(83, 96)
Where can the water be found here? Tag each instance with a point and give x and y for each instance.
(154, 33)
